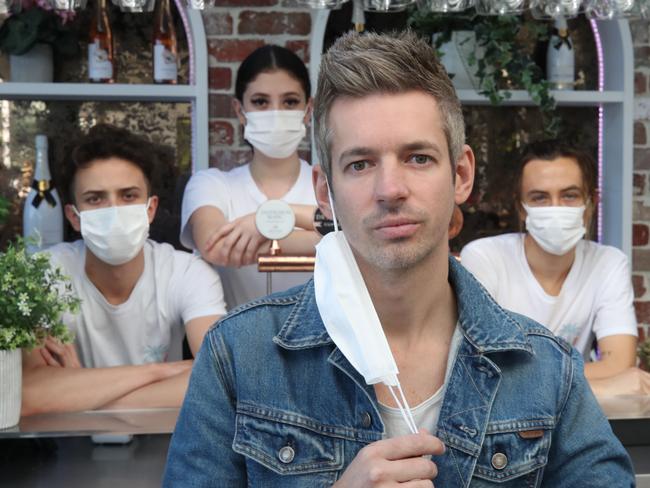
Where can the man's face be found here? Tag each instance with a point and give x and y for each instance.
(392, 180)
(108, 183)
(557, 182)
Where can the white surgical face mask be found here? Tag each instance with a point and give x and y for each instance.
(115, 234)
(275, 133)
(350, 317)
(556, 229)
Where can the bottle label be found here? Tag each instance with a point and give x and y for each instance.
(164, 64)
(100, 66)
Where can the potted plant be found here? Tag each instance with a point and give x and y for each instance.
(33, 297)
(499, 58)
(33, 31)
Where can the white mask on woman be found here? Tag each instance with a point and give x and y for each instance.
(275, 133)
(556, 229)
(115, 235)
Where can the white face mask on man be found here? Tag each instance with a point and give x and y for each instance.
(275, 133)
(115, 235)
(556, 229)
(350, 317)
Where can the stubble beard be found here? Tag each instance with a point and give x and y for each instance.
(400, 254)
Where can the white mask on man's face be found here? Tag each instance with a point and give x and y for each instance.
(350, 318)
(556, 229)
(115, 235)
(275, 133)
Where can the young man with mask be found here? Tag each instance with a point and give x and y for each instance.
(577, 288)
(313, 387)
(136, 294)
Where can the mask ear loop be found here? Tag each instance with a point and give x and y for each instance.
(404, 408)
(329, 195)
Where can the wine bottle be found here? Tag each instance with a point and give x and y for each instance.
(560, 57)
(101, 65)
(165, 60)
(43, 213)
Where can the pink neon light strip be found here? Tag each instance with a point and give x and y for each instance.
(181, 7)
(601, 87)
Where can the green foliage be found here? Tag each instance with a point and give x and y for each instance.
(33, 297)
(5, 207)
(505, 63)
(644, 353)
(20, 32)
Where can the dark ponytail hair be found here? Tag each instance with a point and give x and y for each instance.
(271, 58)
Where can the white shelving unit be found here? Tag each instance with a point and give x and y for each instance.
(196, 93)
(97, 92)
(563, 98)
(616, 100)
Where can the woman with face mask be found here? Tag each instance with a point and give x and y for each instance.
(551, 272)
(273, 104)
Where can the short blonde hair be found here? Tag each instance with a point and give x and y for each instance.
(360, 65)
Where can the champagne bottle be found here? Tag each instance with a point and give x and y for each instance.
(165, 67)
(560, 57)
(101, 65)
(43, 213)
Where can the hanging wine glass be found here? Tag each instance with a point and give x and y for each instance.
(386, 5)
(5, 7)
(65, 5)
(608, 9)
(200, 4)
(135, 5)
(324, 4)
(641, 10)
(553, 9)
(500, 7)
(444, 6)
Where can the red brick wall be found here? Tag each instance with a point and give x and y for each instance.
(237, 27)
(234, 29)
(641, 190)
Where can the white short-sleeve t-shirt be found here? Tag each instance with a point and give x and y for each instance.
(174, 288)
(596, 298)
(236, 194)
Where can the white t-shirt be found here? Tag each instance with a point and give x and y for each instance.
(596, 297)
(236, 194)
(174, 288)
(425, 414)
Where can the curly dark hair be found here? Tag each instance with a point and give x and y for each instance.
(105, 141)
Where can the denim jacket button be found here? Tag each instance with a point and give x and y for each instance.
(286, 454)
(366, 421)
(499, 460)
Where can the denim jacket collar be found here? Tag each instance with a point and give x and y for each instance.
(485, 325)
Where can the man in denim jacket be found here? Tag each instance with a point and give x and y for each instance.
(272, 401)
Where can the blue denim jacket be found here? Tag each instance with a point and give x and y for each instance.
(273, 403)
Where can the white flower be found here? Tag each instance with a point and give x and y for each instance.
(23, 306)
(44, 324)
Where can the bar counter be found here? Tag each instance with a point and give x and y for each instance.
(56, 450)
(629, 417)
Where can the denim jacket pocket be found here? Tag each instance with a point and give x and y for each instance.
(284, 454)
(513, 454)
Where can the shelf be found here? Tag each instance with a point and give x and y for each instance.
(97, 92)
(573, 98)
